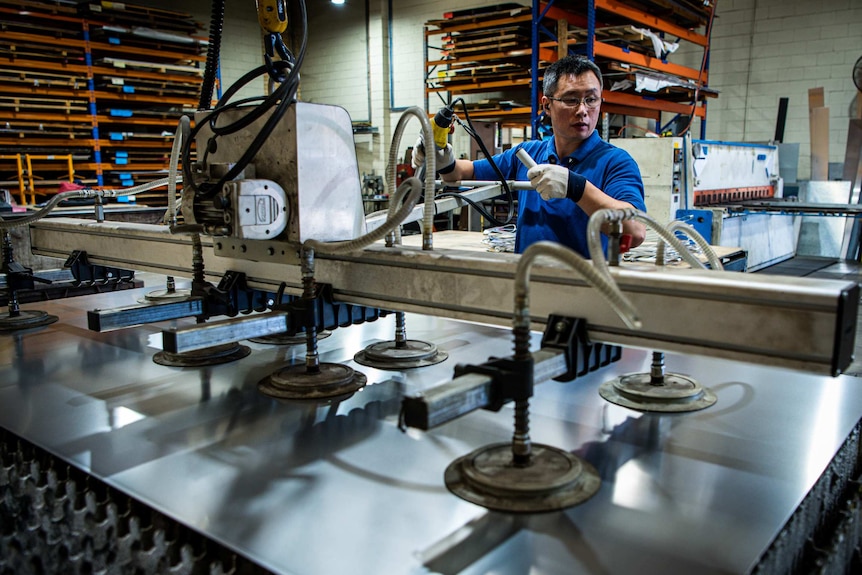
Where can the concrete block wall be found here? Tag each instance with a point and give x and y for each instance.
(242, 44)
(763, 50)
(241, 47)
(336, 65)
(368, 56)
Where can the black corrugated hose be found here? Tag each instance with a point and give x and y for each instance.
(213, 50)
(277, 102)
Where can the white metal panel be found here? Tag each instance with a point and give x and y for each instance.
(767, 239)
(663, 177)
(726, 165)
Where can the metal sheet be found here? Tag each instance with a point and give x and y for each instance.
(766, 238)
(819, 235)
(307, 489)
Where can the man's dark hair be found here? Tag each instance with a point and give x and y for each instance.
(570, 65)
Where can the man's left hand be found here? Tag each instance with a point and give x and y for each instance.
(550, 180)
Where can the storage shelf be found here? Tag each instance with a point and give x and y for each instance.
(614, 53)
(82, 70)
(138, 52)
(131, 143)
(610, 34)
(74, 76)
(480, 86)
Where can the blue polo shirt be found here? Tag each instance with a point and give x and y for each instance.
(561, 220)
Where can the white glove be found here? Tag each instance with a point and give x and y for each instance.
(550, 180)
(445, 156)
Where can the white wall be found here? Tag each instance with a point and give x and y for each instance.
(241, 45)
(336, 66)
(762, 50)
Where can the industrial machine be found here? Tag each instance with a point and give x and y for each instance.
(704, 182)
(331, 441)
(733, 194)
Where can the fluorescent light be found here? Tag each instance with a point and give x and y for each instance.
(339, 2)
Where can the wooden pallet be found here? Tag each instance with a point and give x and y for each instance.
(489, 14)
(472, 71)
(22, 128)
(21, 23)
(19, 104)
(494, 105)
(148, 39)
(478, 37)
(624, 36)
(23, 78)
(55, 54)
(136, 15)
(686, 13)
(132, 64)
(64, 7)
(480, 77)
(124, 85)
(689, 14)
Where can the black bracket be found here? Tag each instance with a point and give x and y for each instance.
(569, 335)
(231, 297)
(511, 379)
(328, 314)
(20, 278)
(86, 273)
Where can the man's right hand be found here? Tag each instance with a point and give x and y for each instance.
(445, 156)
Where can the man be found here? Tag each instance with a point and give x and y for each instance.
(577, 172)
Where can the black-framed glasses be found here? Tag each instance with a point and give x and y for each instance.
(591, 102)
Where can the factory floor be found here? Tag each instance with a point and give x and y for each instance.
(827, 268)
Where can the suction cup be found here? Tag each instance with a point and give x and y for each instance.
(554, 480)
(202, 357)
(389, 355)
(26, 319)
(673, 394)
(297, 382)
(165, 295)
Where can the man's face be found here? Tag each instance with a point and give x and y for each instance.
(574, 123)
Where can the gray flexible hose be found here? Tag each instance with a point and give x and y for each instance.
(600, 217)
(431, 168)
(85, 193)
(174, 203)
(604, 283)
(409, 191)
(688, 230)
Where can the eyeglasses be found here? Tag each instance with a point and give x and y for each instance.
(591, 102)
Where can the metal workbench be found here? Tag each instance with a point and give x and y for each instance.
(312, 489)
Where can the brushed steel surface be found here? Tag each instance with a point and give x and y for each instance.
(314, 488)
(198, 336)
(314, 161)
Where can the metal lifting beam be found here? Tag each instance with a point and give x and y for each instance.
(797, 323)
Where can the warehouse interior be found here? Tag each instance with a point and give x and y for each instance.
(245, 331)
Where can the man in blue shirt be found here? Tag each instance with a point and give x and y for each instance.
(577, 173)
